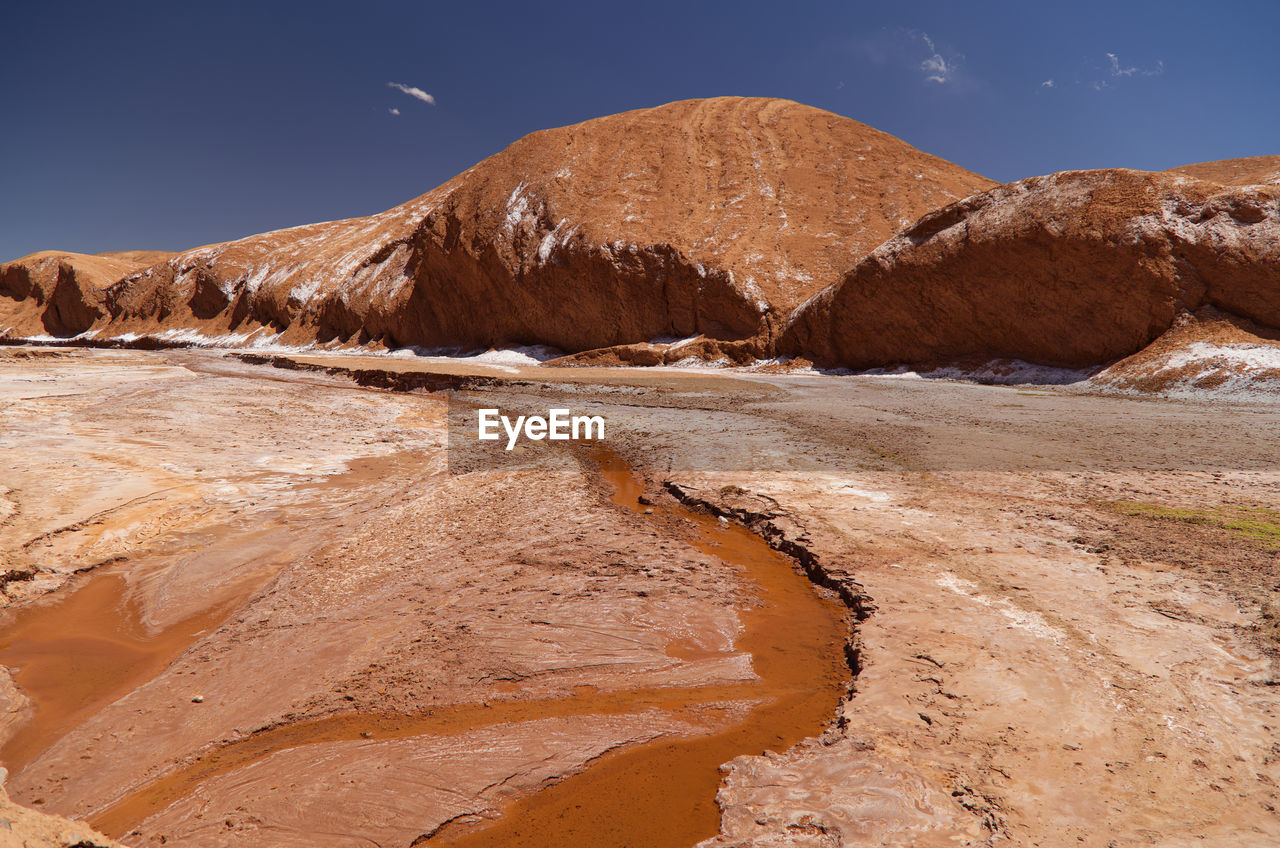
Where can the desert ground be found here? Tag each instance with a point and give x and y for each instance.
(275, 600)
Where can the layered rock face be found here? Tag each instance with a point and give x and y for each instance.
(712, 217)
(62, 294)
(1076, 268)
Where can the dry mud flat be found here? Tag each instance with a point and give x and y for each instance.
(305, 631)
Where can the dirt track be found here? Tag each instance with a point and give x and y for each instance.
(1067, 644)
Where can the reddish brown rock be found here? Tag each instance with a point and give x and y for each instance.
(1208, 355)
(712, 217)
(60, 293)
(24, 827)
(1251, 170)
(1075, 268)
(701, 348)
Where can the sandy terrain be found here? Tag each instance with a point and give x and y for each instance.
(1062, 605)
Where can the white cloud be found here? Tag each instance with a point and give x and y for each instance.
(936, 68)
(394, 111)
(413, 92)
(1112, 73)
(1047, 84)
(914, 52)
(1117, 71)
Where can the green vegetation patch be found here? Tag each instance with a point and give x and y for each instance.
(1252, 523)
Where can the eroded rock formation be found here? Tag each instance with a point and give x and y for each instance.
(1074, 268)
(712, 217)
(60, 293)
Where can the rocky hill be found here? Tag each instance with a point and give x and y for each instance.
(712, 217)
(1076, 268)
(60, 293)
(1251, 170)
(715, 218)
(1210, 354)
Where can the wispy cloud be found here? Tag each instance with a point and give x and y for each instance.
(1116, 70)
(394, 111)
(412, 91)
(917, 55)
(1112, 72)
(936, 68)
(1119, 71)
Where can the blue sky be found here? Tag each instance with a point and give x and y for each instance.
(169, 125)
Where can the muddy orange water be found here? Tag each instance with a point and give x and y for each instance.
(662, 795)
(81, 652)
(653, 795)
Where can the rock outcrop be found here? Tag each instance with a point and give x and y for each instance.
(619, 239)
(712, 217)
(62, 294)
(24, 827)
(1210, 355)
(1076, 268)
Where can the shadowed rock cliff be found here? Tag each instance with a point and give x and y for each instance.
(1075, 268)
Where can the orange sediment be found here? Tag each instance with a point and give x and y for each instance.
(662, 795)
(693, 704)
(657, 794)
(81, 652)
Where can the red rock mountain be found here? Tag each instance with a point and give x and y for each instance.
(1075, 268)
(704, 216)
(63, 294)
